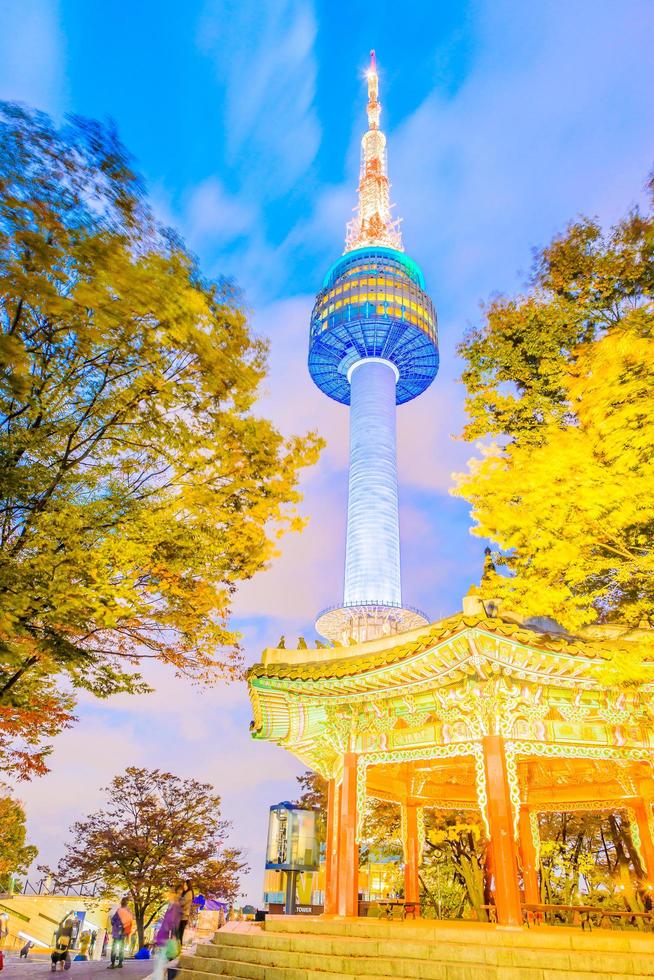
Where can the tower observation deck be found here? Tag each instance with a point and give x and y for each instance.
(373, 345)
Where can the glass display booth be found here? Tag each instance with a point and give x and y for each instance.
(293, 846)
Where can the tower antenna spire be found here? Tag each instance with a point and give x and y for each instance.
(373, 223)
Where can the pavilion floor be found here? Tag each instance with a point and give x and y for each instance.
(305, 948)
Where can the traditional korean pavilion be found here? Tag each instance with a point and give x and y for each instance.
(478, 711)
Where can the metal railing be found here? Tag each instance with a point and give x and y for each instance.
(46, 886)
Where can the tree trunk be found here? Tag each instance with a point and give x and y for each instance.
(473, 880)
(139, 916)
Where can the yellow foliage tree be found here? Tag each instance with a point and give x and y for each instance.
(561, 391)
(16, 854)
(138, 486)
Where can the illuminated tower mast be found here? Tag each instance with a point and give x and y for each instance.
(373, 346)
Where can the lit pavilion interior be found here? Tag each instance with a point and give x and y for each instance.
(478, 711)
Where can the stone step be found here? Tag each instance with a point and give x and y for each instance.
(452, 972)
(333, 966)
(545, 937)
(419, 961)
(192, 968)
(315, 949)
(291, 949)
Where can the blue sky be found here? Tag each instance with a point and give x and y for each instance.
(505, 120)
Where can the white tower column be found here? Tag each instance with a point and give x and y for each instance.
(372, 555)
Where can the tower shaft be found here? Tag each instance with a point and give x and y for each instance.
(372, 553)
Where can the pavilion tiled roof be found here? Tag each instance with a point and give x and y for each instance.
(348, 666)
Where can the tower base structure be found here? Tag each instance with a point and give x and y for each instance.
(358, 622)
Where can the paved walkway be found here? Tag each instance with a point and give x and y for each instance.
(40, 967)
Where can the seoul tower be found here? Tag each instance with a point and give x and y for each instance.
(373, 345)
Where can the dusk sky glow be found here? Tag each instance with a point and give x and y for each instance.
(504, 121)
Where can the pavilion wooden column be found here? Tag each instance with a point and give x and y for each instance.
(528, 859)
(331, 848)
(411, 853)
(502, 840)
(348, 848)
(646, 843)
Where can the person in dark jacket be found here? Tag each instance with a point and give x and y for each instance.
(186, 906)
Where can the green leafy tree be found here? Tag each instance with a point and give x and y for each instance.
(560, 384)
(155, 831)
(16, 854)
(591, 858)
(456, 851)
(138, 486)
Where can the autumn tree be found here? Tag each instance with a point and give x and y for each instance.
(313, 788)
(138, 485)
(16, 854)
(560, 390)
(154, 831)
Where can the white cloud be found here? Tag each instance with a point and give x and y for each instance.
(263, 54)
(32, 54)
(553, 119)
(211, 215)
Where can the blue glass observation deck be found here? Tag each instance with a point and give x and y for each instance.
(373, 304)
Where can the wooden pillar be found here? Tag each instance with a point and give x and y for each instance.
(411, 853)
(642, 809)
(348, 848)
(502, 841)
(331, 848)
(528, 859)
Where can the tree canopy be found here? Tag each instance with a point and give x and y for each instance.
(16, 854)
(155, 831)
(314, 790)
(560, 384)
(138, 485)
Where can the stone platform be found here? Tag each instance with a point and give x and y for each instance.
(303, 948)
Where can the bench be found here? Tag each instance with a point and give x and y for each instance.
(583, 915)
(387, 907)
(623, 915)
(536, 912)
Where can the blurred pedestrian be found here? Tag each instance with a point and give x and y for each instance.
(186, 907)
(167, 937)
(63, 940)
(122, 926)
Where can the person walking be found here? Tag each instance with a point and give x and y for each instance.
(122, 925)
(167, 937)
(63, 941)
(24, 952)
(186, 906)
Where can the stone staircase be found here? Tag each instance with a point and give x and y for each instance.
(302, 948)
